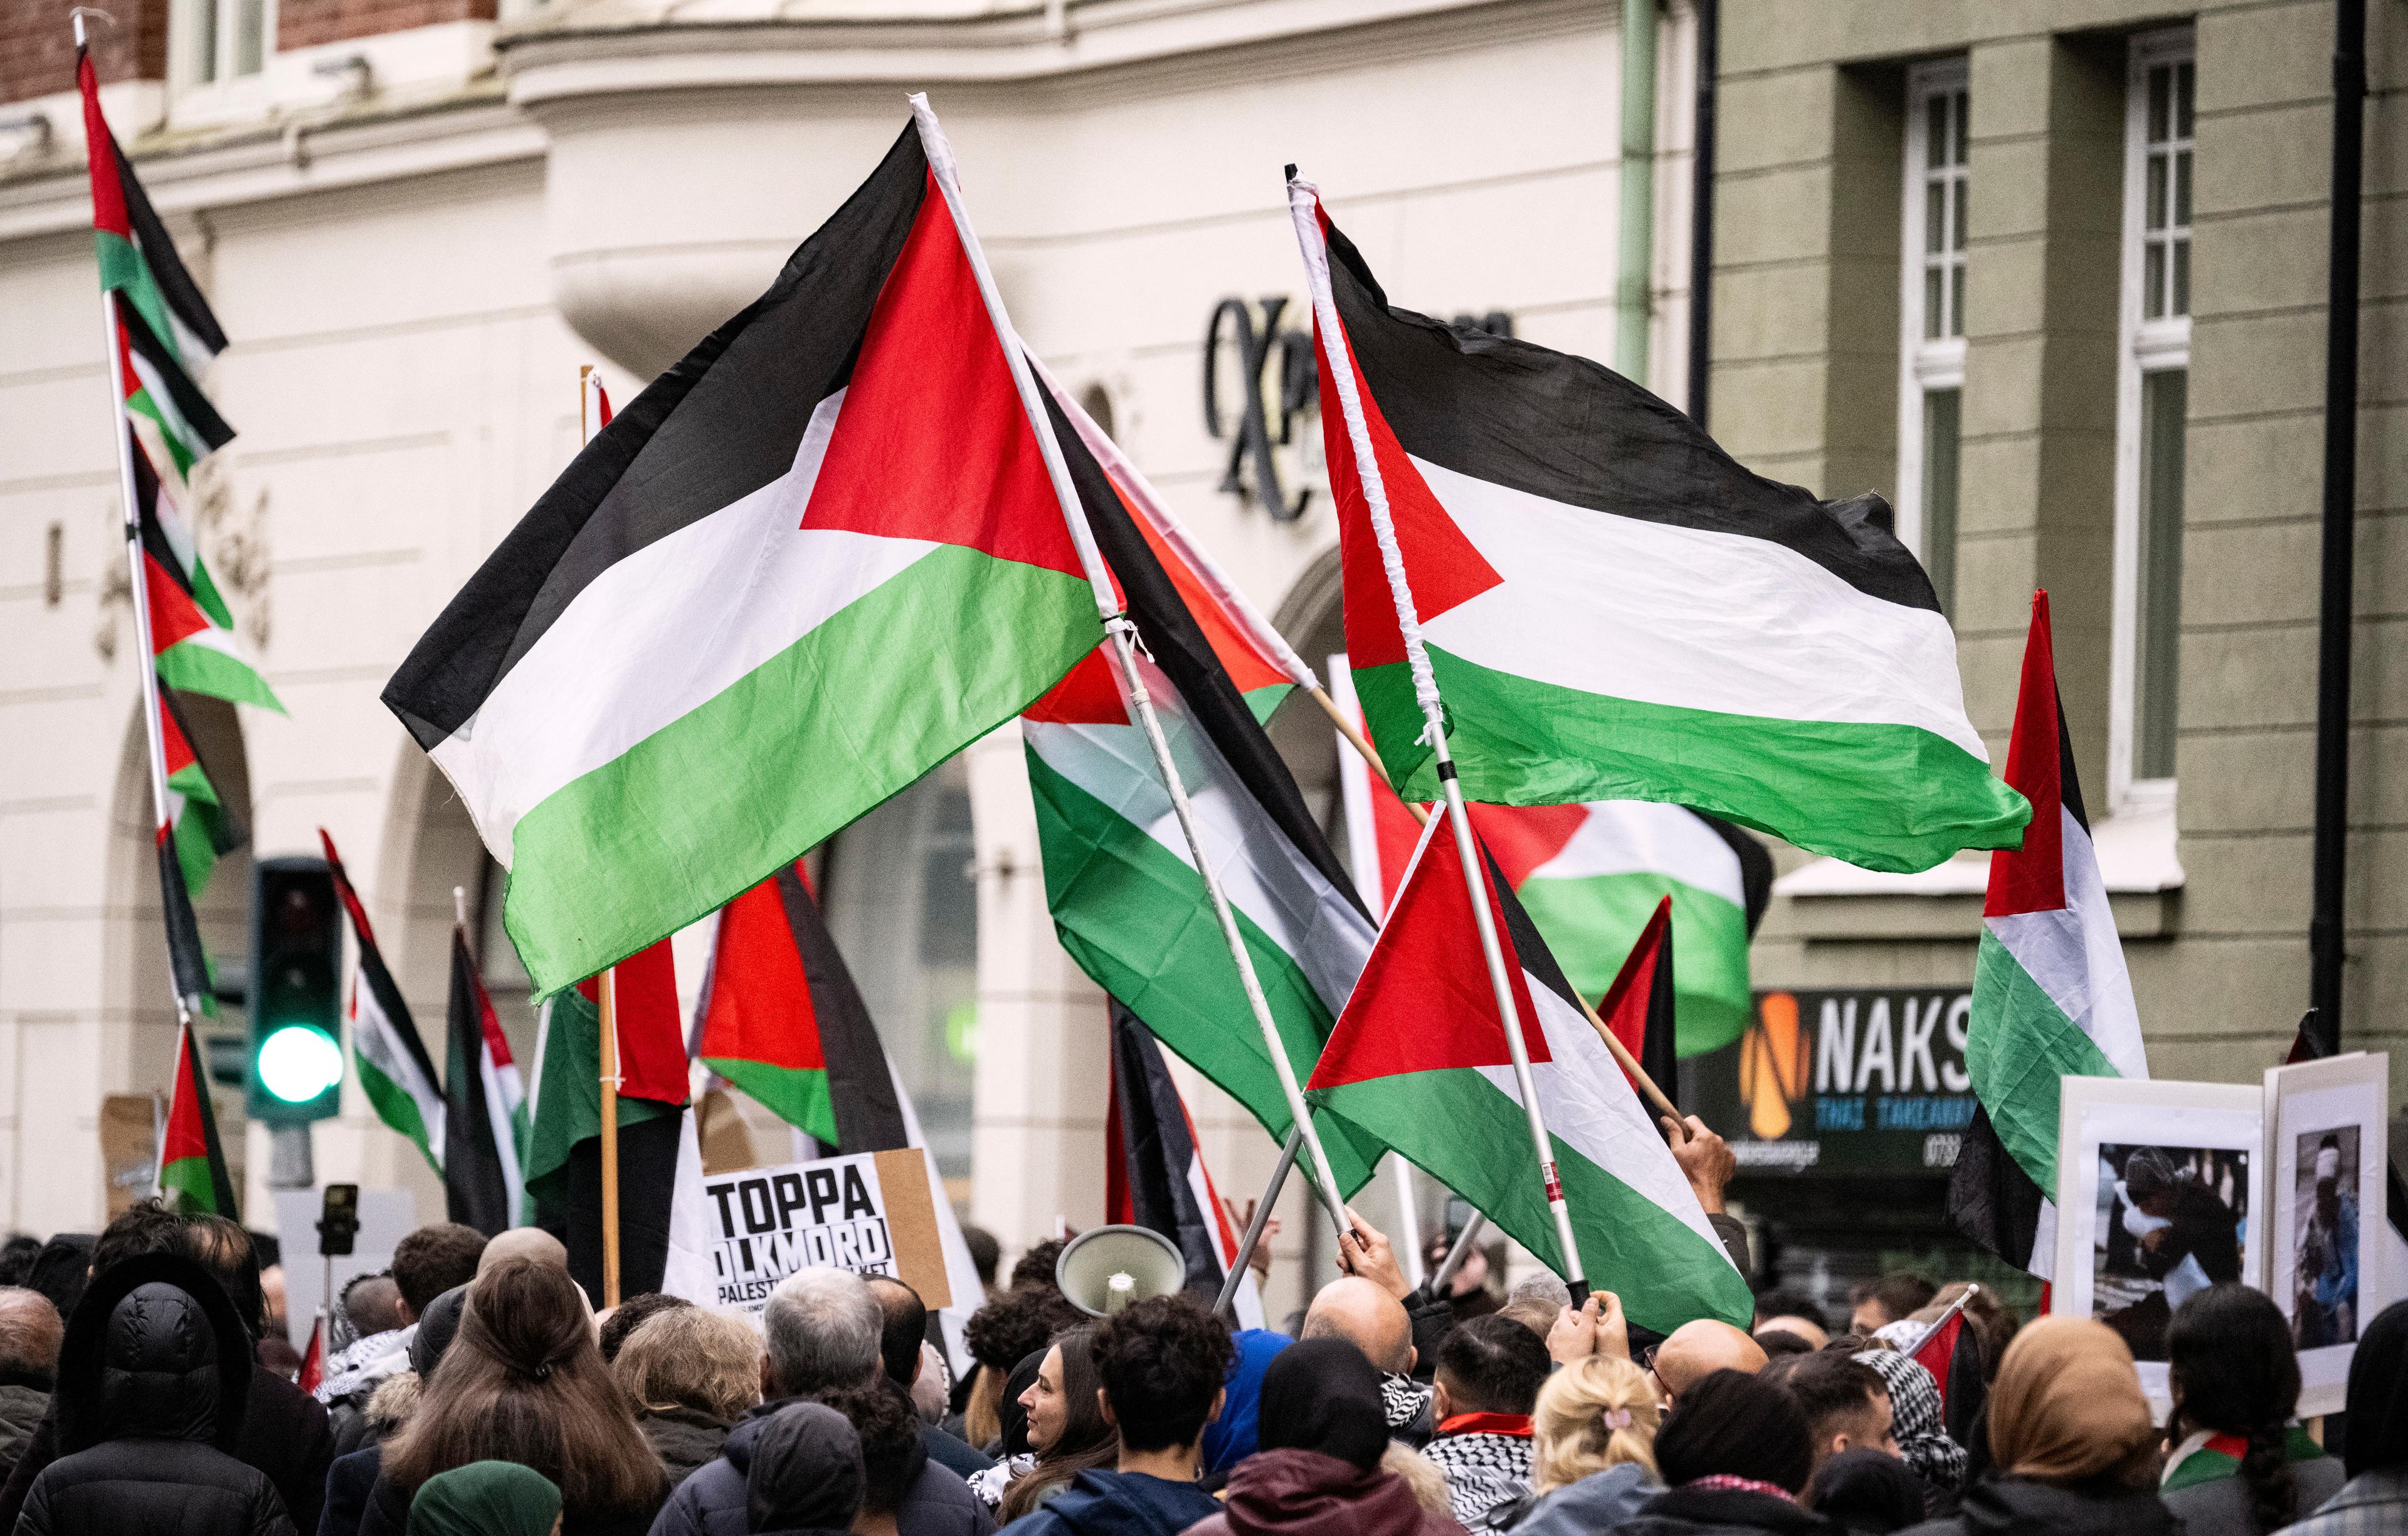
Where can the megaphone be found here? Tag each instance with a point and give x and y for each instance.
(1106, 1268)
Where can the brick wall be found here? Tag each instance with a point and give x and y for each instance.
(38, 52)
(305, 24)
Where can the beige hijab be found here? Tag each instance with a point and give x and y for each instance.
(2067, 1406)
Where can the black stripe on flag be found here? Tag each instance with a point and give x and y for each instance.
(154, 536)
(158, 249)
(373, 970)
(1754, 866)
(2069, 787)
(1574, 432)
(228, 830)
(1992, 1201)
(1156, 1151)
(1179, 648)
(721, 424)
(475, 1192)
(186, 960)
(648, 1155)
(221, 1177)
(861, 1085)
(184, 392)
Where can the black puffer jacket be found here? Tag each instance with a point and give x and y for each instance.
(154, 1378)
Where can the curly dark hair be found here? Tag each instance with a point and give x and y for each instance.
(1017, 1324)
(1162, 1363)
(881, 1412)
(1035, 1269)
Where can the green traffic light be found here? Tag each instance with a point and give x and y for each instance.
(298, 1064)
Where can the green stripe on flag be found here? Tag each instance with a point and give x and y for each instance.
(1886, 797)
(568, 1101)
(797, 1095)
(187, 1188)
(2025, 1046)
(1147, 907)
(640, 847)
(1591, 923)
(122, 269)
(197, 667)
(396, 1108)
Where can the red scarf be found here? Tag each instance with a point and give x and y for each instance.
(1487, 1424)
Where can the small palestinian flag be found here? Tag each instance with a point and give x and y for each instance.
(485, 1126)
(1419, 1060)
(395, 1070)
(193, 1176)
(1591, 876)
(313, 1365)
(2051, 996)
(195, 648)
(166, 330)
(1639, 1005)
(205, 830)
(1155, 1174)
(1126, 901)
(1952, 1352)
(1613, 610)
(2208, 1456)
(813, 559)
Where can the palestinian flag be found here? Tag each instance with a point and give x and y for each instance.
(2051, 997)
(1591, 876)
(1419, 1060)
(562, 1166)
(485, 1126)
(783, 1020)
(165, 324)
(205, 830)
(188, 963)
(195, 648)
(313, 1365)
(1155, 1174)
(193, 1176)
(811, 561)
(2207, 1456)
(1638, 1006)
(1126, 901)
(395, 1071)
(1613, 610)
(1953, 1354)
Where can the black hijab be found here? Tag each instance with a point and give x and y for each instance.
(1010, 1414)
(1870, 1493)
(1323, 1395)
(2378, 1396)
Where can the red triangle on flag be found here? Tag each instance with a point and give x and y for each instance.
(2033, 879)
(174, 616)
(651, 1032)
(313, 1365)
(760, 1007)
(1633, 995)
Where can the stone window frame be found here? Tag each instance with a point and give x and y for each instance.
(204, 38)
(1930, 364)
(2147, 343)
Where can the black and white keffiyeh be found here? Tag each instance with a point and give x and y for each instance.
(1923, 1441)
(1402, 1401)
(1481, 1470)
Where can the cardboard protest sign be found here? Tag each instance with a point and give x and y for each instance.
(872, 1212)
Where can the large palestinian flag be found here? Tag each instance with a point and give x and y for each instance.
(813, 559)
(1126, 901)
(193, 1176)
(1613, 610)
(1591, 876)
(2051, 997)
(485, 1126)
(395, 1071)
(1419, 1060)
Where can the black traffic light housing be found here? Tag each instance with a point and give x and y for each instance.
(295, 1061)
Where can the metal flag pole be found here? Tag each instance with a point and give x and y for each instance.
(1121, 638)
(1256, 1223)
(607, 991)
(1941, 1321)
(1302, 202)
(1465, 1242)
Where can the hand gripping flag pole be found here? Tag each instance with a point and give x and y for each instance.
(1122, 637)
(1304, 209)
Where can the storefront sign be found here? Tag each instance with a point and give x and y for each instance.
(1861, 1081)
(872, 1213)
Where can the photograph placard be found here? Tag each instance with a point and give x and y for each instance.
(2325, 1150)
(2161, 1190)
(872, 1213)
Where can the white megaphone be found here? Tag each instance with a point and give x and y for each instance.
(1106, 1269)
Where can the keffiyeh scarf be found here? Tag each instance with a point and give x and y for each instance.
(1923, 1443)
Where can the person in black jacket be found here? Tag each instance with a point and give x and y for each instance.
(1735, 1452)
(154, 1379)
(353, 1478)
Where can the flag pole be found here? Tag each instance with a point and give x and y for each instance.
(1245, 1256)
(186, 1005)
(1302, 204)
(607, 989)
(1121, 636)
(1465, 1242)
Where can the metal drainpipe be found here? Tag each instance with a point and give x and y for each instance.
(1701, 211)
(2325, 924)
(1634, 284)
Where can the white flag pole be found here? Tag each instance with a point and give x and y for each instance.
(1122, 637)
(1303, 202)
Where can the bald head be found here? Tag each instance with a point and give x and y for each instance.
(523, 1242)
(1355, 1310)
(1698, 1349)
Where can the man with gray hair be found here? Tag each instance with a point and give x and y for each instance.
(30, 1330)
(824, 1327)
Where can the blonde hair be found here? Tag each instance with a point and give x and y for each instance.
(689, 1358)
(1420, 1474)
(1572, 1437)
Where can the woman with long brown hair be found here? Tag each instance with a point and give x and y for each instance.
(524, 1382)
(1067, 1427)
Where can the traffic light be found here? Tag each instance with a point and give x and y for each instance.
(296, 947)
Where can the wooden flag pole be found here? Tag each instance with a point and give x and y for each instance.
(609, 992)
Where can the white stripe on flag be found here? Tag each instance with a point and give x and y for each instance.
(1641, 837)
(2074, 956)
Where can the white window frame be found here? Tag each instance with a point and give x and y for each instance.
(2145, 346)
(1924, 365)
(189, 46)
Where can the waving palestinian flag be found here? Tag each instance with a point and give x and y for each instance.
(1615, 610)
(813, 559)
(485, 1127)
(1154, 1175)
(395, 1071)
(204, 829)
(1126, 901)
(1419, 1060)
(193, 1176)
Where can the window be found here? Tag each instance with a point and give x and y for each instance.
(224, 39)
(1932, 307)
(2152, 401)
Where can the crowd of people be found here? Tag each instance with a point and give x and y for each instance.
(472, 1389)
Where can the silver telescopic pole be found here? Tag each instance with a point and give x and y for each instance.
(1120, 637)
(1301, 206)
(1464, 1244)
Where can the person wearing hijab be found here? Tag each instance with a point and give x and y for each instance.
(486, 1498)
(2073, 1451)
(1735, 1452)
(1321, 1428)
(2374, 1501)
(806, 1476)
(1867, 1492)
